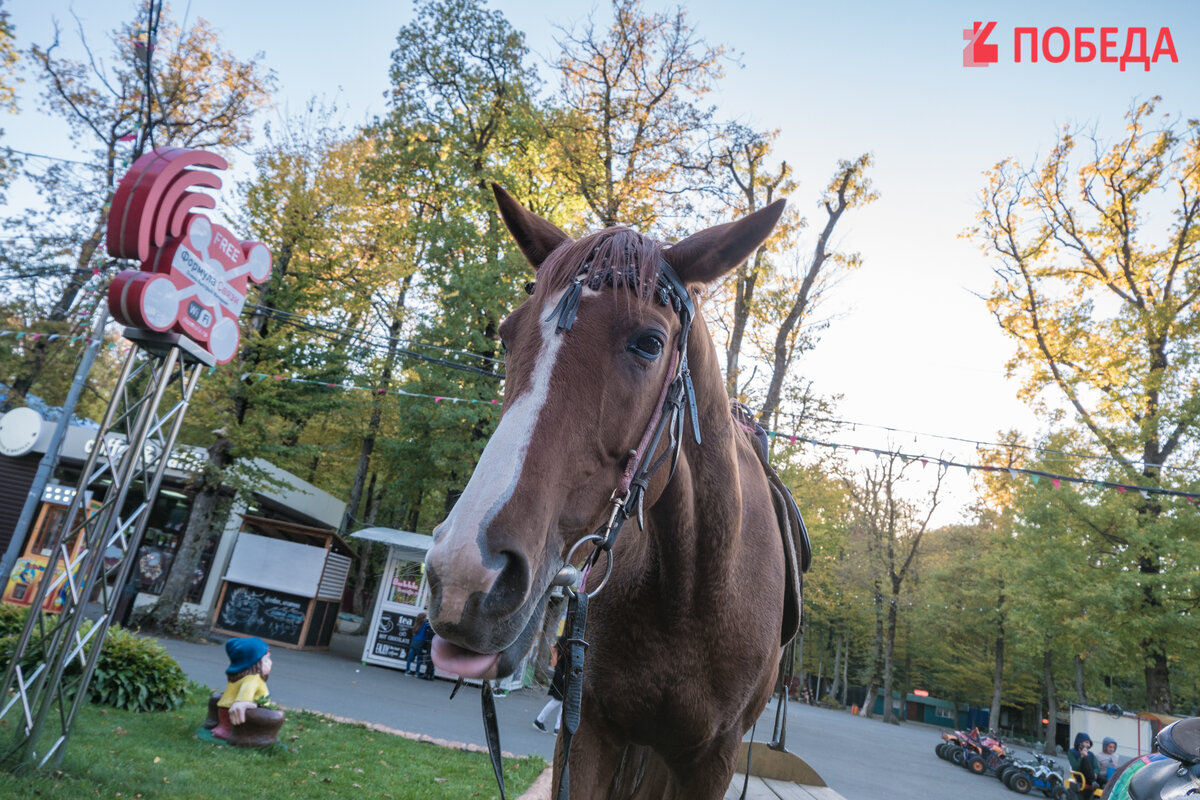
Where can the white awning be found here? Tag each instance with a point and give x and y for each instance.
(408, 545)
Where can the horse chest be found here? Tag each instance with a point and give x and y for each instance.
(659, 693)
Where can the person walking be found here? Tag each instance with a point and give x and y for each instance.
(422, 635)
(553, 707)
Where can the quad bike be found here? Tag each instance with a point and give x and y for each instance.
(1172, 772)
(1025, 776)
(951, 747)
(983, 755)
(1077, 788)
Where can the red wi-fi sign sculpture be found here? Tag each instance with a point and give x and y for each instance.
(194, 273)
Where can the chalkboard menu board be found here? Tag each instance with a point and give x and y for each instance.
(263, 612)
(393, 635)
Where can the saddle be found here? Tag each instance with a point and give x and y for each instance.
(797, 549)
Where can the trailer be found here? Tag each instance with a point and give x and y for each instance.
(1134, 731)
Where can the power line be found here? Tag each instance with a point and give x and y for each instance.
(334, 334)
(11, 150)
(385, 340)
(980, 443)
(1035, 474)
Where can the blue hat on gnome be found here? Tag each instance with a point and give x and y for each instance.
(244, 653)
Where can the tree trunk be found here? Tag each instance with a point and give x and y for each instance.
(997, 683)
(358, 598)
(837, 668)
(1080, 690)
(846, 671)
(889, 714)
(368, 443)
(798, 659)
(1050, 746)
(362, 575)
(1158, 680)
(206, 521)
(876, 658)
(784, 341)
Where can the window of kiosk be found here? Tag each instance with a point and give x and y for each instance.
(406, 583)
(164, 532)
(53, 517)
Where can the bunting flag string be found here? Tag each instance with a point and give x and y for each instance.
(1013, 472)
(118, 347)
(437, 398)
(1056, 480)
(978, 444)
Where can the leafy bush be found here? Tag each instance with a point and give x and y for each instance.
(12, 618)
(137, 674)
(12, 622)
(132, 673)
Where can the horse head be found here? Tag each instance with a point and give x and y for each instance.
(588, 355)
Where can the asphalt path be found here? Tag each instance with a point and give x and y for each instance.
(860, 758)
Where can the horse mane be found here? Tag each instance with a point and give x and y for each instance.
(619, 257)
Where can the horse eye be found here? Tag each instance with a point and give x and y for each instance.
(648, 346)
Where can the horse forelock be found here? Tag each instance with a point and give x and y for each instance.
(620, 256)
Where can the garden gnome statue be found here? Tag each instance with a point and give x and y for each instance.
(244, 718)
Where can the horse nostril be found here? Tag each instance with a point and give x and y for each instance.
(511, 585)
(435, 591)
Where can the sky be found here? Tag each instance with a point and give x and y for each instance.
(911, 348)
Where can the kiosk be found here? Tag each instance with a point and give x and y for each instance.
(403, 593)
(30, 567)
(284, 584)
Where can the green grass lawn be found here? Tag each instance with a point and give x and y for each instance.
(123, 754)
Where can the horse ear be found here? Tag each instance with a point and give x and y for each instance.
(705, 256)
(535, 236)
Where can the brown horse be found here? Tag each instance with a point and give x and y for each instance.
(685, 637)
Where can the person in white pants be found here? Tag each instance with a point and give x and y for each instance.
(553, 707)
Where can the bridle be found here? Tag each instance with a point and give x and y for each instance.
(627, 498)
(626, 501)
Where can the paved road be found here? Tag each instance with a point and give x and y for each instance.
(862, 759)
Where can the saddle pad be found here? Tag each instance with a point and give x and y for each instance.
(797, 549)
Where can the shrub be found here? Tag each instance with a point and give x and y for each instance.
(132, 673)
(137, 674)
(12, 622)
(12, 618)
(829, 701)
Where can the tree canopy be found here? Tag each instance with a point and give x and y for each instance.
(371, 365)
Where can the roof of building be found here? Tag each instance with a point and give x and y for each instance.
(409, 545)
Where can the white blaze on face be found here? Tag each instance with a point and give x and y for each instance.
(499, 469)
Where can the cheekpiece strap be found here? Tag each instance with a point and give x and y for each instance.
(687, 312)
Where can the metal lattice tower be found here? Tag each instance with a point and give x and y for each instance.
(46, 682)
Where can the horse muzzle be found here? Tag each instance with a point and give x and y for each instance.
(485, 615)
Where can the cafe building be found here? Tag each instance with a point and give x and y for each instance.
(289, 524)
